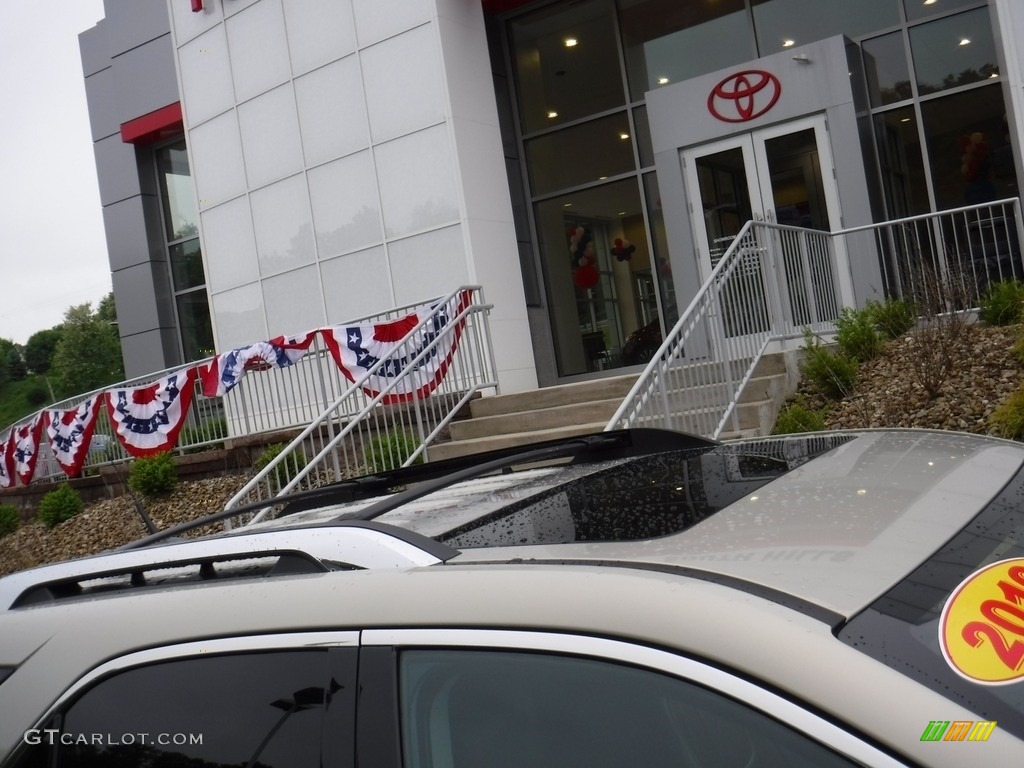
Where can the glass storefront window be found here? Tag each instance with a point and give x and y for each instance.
(954, 51)
(642, 129)
(181, 217)
(187, 265)
(919, 9)
(194, 325)
(969, 147)
(580, 154)
(886, 69)
(899, 154)
(661, 265)
(566, 63)
(782, 24)
(598, 272)
(666, 41)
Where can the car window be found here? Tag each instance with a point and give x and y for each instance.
(471, 708)
(257, 709)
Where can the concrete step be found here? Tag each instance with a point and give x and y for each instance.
(614, 388)
(567, 415)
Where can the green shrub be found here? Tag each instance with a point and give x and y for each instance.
(153, 475)
(1003, 303)
(796, 417)
(1008, 419)
(37, 395)
(10, 519)
(857, 335)
(390, 451)
(893, 317)
(286, 470)
(833, 375)
(59, 505)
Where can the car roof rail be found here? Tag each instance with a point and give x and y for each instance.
(354, 544)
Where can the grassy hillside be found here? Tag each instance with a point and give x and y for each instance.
(16, 398)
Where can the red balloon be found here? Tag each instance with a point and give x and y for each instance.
(586, 277)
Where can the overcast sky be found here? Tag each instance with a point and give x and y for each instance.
(53, 252)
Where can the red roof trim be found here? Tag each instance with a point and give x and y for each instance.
(155, 126)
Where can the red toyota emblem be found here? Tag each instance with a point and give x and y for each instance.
(744, 96)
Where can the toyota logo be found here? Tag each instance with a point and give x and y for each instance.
(744, 96)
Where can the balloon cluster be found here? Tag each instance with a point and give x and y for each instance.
(974, 151)
(623, 249)
(581, 247)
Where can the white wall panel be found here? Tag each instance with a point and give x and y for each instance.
(346, 213)
(216, 160)
(187, 25)
(270, 136)
(205, 73)
(240, 318)
(293, 302)
(417, 182)
(429, 264)
(376, 20)
(319, 31)
(229, 245)
(332, 111)
(284, 227)
(404, 88)
(259, 49)
(356, 285)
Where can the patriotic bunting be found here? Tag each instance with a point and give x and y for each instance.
(358, 348)
(7, 460)
(70, 433)
(147, 419)
(226, 370)
(26, 448)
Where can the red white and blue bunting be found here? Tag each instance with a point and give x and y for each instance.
(146, 420)
(385, 349)
(70, 433)
(26, 448)
(225, 371)
(7, 460)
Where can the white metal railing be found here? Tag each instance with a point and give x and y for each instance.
(365, 428)
(278, 398)
(774, 281)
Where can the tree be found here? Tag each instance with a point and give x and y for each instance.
(12, 366)
(40, 348)
(88, 354)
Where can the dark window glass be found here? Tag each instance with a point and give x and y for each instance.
(919, 9)
(666, 41)
(466, 709)
(899, 156)
(886, 70)
(181, 218)
(661, 264)
(265, 709)
(196, 329)
(581, 154)
(566, 63)
(901, 629)
(187, 265)
(642, 129)
(954, 51)
(969, 147)
(782, 24)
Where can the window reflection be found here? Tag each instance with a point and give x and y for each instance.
(782, 24)
(666, 41)
(181, 218)
(598, 272)
(580, 154)
(886, 70)
(194, 325)
(566, 63)
(969, 148)
(899, 155)
(954, 51)
(919, 9)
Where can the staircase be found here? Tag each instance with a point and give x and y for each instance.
(573, 409)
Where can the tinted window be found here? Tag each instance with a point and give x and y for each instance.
(901, 629)
(465, 709)
(265, 709)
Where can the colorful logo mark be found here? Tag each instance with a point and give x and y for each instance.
(981, 629)
(744, 96)
(958, 730)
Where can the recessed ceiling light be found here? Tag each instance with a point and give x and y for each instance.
(930, 2)
(552, 115)
(623, 136)
(567, 205)
(993, 76)
(622, 213)
(571, 42)
(662, 80)
(601, 178)
(965, 41)
(905, 120)
(788, 43)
